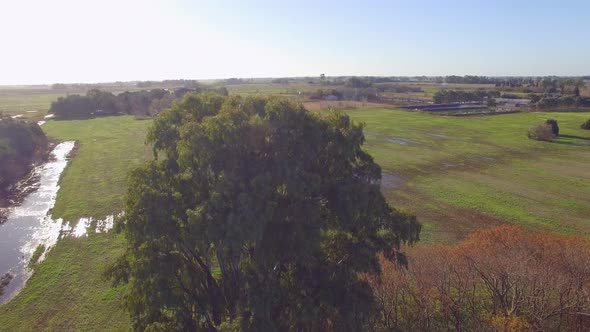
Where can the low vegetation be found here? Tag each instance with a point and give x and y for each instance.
(544, 132)
(586, 125)
(454, 96)
(21, 144)
(503, 279)
(541, 132)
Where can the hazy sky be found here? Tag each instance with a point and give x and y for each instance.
(47, 41)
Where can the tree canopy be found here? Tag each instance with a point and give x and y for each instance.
(21, 144)
(255, 215)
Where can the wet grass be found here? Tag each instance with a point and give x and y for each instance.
(462, 174)
(67, 291)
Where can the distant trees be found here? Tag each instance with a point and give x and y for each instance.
(470, 79)
(455, 96)
(261, 216)
(502, 279)
(357, 82)
(101, 103)
(73, 107)
(280, 81)
(321, 94)
(551, 101)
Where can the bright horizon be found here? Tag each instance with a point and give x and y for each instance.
(66, 41)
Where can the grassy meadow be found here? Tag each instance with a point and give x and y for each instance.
(457, 174)
(30, 103)
(67, 291)
(94, 182)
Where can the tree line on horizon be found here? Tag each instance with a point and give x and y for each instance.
(97, 103)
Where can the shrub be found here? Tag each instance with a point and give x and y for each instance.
(542, 132)
(554, 126)
(586, 125)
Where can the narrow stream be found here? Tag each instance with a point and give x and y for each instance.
(30, 225)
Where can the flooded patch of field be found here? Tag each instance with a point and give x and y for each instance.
(29, 231)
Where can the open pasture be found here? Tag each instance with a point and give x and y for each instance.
(459, 174)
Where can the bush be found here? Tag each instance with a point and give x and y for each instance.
(586, 125)
(542, 132)
(554, 126)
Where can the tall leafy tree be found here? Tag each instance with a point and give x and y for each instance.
(255, 215)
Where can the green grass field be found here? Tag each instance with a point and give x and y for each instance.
(94, 182)
(30, 103)
(67, 291)
(462, 173)
(457, 174)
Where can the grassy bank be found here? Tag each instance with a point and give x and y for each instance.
(67, 291)
(94, 182)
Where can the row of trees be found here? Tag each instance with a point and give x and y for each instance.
(504, 279)
(21, 144)
(102, 103)
(369, 93)
(456, 96)
(556, 101)
(260, 217)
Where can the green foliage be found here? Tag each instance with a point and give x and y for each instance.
(554, 126)
(21, 144)
(98, 103)
(262, 216)
(551, 101)
(586, 125)
(454, 96)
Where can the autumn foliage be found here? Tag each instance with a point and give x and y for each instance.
(503, 279)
